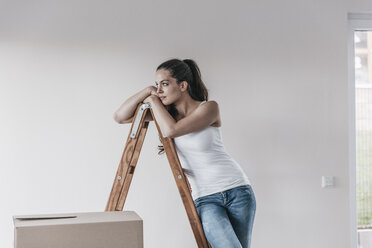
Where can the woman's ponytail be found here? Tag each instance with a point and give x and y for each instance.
(197, 89)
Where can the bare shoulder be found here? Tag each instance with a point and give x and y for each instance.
(212, 108)
(212, 105)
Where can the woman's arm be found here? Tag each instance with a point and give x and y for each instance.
(126, 111)
(202, 117)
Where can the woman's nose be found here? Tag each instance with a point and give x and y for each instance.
(159, 89)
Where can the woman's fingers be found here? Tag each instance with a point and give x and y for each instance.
(154, 93)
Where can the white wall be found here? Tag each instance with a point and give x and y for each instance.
(277, 68)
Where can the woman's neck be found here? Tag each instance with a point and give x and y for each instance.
(185, 105)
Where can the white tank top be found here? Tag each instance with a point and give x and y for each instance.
(206, 163)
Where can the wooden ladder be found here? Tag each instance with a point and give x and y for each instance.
(128, 164)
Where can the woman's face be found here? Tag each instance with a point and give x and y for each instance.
(168, 89)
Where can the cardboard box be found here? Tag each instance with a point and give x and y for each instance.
(115, 229)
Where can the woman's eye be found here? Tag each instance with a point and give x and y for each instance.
(165, 84)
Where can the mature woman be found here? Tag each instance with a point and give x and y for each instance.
(221, 191)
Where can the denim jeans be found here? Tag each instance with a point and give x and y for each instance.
(227, 217)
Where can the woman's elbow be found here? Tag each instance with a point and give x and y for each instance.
(170, 134)
(117, 118)
(120, 120)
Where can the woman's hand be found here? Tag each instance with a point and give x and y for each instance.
(152, 94)
(152, 90)
(150, 99)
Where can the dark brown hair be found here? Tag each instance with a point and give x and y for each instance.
(185, 70)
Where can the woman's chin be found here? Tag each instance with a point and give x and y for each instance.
(164, 102)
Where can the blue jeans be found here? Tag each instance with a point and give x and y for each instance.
(227, 217)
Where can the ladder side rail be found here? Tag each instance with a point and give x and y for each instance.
(123, 167)
(132, 165)
(183, 188)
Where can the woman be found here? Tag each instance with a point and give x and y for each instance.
(221, 191)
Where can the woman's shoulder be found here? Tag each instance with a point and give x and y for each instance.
(212, 107)
(210, 103)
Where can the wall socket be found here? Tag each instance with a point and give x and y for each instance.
(327, 181)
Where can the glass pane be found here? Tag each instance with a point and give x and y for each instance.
(363, 111)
